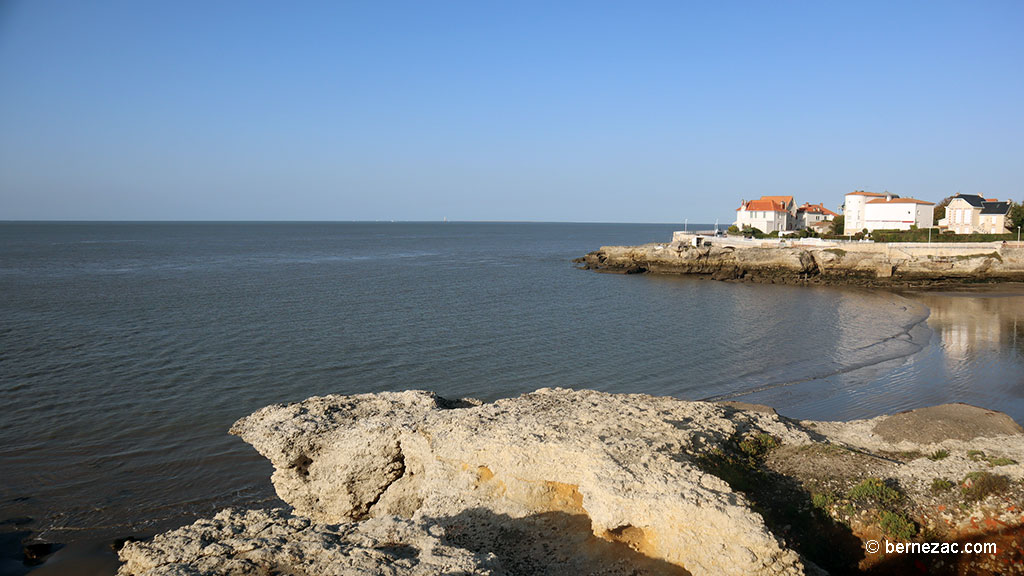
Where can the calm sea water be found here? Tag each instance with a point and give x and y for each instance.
(127, 350)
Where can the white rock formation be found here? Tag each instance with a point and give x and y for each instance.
(621, 467)
(273, 542)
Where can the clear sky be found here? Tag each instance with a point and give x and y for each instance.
(557, 111)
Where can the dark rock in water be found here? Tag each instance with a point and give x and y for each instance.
(726, 274)
(79, 559)
(36, 552)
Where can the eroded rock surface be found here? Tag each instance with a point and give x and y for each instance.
(624, 462)
(809, 264)
(582, 482)
(274, 542)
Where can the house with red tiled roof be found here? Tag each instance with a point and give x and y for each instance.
(853, 210)
(808, 215)
(768, 214)
(874, 211)
(787, 201)
(891, 213)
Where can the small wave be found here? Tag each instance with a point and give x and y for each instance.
(914, 336)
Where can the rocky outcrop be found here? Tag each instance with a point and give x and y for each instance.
(624, 462)
(275, 542)
(803, 264)
(581, 482)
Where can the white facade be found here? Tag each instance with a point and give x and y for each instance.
(770, 220)
(853, 210)
(970, 214)
(810, 215)
(873, 211)
(898, 214)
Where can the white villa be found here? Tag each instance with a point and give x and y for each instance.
(970, 213)
(811, 215)
(769, 214)
(874, 211)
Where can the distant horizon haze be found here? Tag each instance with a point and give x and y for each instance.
(526, 111)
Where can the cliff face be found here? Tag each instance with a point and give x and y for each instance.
(871, 264)
(582, 482)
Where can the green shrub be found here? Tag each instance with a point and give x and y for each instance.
(979, 456)
(875, 490)
(758, 445)
(979, 485)
(921, 235)
(823, 500)
(896, 525)
(941, 485)
(939, 455)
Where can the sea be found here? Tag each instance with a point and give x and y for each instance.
(127, 350)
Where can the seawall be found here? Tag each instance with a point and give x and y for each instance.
(803, 261)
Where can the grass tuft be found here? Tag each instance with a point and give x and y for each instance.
(823, 501)
(759, 445)
(979, 485)
(896, 525)
(940, 485)
(874, 490)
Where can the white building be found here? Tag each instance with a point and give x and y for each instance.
(874, 211)
(893, 213)
(810, 215)
(769, 214)
(972, 214)
(853, 210)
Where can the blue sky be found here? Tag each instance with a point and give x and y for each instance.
(588, 111)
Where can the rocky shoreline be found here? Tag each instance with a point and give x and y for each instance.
(860, 265)
(564, 481)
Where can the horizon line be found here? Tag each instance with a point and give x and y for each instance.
(378, 221)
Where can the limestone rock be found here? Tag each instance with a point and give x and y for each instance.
(581, 482)
(945, 422)
(853, 263)
(240, 543)
(626, 464)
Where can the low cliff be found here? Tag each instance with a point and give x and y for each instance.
(855, 264)
(582, 482)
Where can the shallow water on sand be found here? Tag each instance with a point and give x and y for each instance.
(127, 350)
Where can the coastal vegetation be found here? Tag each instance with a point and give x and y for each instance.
(978, 485)
(922, 235)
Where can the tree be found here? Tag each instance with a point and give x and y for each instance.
(838, 223)
(940, 210)
(749, 230)
(1016, 216)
